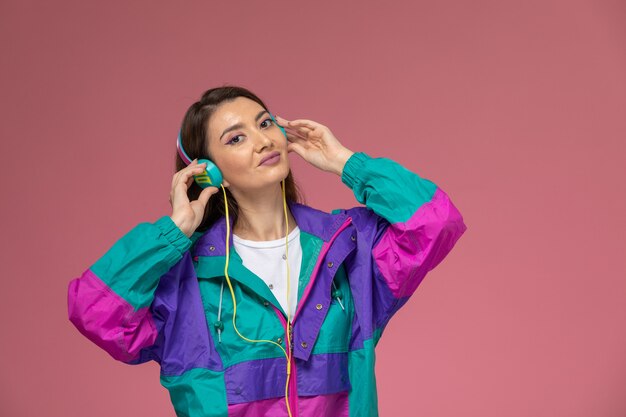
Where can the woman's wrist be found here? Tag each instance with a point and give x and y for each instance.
(340, 161)
(182, 226)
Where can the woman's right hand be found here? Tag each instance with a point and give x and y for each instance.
(188, 214)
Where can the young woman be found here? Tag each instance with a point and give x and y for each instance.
(253, 303)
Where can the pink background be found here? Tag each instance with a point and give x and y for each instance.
(515, 109)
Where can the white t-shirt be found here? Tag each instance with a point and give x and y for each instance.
(267, 260)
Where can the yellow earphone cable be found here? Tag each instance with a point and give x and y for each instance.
(232, 293)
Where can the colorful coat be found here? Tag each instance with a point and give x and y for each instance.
(156, 295)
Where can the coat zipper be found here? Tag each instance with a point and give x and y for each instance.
(293, 386)
(293, 383)
(293, 392)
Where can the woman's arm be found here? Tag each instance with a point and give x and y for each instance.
(408, 225)
(110, 302)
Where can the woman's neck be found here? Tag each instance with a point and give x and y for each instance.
(261, 216)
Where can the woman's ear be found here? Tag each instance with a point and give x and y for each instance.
(225, 183)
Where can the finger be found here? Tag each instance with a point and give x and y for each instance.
(194, 166)
(296, 147)
(185, 176)
(303, 131)
(305, 122)
(299, 128)
(295, 135)
(192, 170)
(178, 195)
(298, 123)
(281, 121)
(284, 123)
(206, 194)
(297, 139)
(190, 173)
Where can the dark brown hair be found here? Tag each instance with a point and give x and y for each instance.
(194, 139)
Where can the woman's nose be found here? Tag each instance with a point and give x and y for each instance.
(262, 140)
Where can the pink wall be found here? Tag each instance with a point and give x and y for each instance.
(517, 111)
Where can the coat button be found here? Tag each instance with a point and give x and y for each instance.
(211, 248)
(319, 306)
(279, 340)
(266, 303)
(330, 264)
(353, 238)
(303, 344)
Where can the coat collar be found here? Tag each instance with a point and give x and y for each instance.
(310, 220)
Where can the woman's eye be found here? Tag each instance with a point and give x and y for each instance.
(235, 140)
(269, 119)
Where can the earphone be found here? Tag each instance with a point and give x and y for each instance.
(211, 176)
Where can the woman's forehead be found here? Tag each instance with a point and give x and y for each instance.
(240, 111)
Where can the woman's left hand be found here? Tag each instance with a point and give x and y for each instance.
(316, 144)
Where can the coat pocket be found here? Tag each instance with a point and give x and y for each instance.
(335, 332)
(255, 320)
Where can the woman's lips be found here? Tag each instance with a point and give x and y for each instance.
(271, 160)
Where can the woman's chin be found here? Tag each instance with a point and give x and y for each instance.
(262, 185)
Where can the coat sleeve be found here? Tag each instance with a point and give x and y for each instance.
(110, 302)
(407, 227)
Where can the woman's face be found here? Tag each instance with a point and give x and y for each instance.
(242, 134)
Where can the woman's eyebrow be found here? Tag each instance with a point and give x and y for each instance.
(238, 125)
